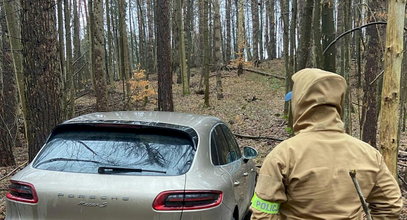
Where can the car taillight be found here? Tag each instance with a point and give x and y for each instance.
(187, 200)
(22, 192)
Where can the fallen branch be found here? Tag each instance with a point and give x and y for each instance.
(264, 73)
(11, 173)
(258, 137)
(260, 72)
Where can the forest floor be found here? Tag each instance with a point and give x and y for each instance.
(252, 105)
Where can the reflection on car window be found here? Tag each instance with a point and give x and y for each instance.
(84, 150)
(224, 148)
(234, 146)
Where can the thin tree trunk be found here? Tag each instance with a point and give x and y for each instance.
(228, 40)
(285, 15)
(217, 46)
(181, 48)
(77, 66)
(241, 44)
(255, 29)
(142, 34)
(293, 33)
(69, 88)
(328, 35)
(206, 50)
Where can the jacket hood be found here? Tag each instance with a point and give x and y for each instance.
(317, 99)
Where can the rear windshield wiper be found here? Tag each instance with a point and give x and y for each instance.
(65, 159)
(109, 170)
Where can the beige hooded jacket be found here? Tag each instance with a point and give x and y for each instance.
(308, 174)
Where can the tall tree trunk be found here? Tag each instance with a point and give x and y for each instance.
(293, 34)
(261, 21)
(305, 35)
(345, 65)
(255, 29)
(271, 48)
(8, 101)
(14, 29)
(389, 114)
(189, 30)
(181, 48)
(217, 46)
(98, 54)
(241, 43)
(162, 19)
(151, 43)
(373, 67)
(206, 50)
(328, 35)
(142, 34)
(316, 30)
(43, 89)
(109, 45)
(285, 15)
(69, 104)
(61, 42)
(77, 64)
(124, 53)
(228, 40)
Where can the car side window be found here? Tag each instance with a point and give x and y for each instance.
(233, 145)
(219, 147)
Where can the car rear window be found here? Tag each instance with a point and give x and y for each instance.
(136, 150)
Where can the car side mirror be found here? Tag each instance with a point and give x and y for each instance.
(249, 153)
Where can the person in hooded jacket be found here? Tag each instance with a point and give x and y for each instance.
(307, 176)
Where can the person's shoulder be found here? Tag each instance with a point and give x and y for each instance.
(365, 147)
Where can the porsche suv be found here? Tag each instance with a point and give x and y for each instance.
(136, 165)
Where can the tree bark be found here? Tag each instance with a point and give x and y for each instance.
(43, 89)
(316, 30)
(77, 53)
(162, 19)
(8, 101)
(181, 48)
(373, 67)
(206, 50)
(98, 55)
(217, 47)
(328, 35)
(69, 104)
(241, 43)
(255, 29)
(305, 35)
(389, 114)
(124, 53)
(271, 48)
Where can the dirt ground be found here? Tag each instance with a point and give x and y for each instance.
(252, 105)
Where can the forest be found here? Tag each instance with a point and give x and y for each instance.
(229, 58)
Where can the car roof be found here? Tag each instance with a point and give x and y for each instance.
(128, 117)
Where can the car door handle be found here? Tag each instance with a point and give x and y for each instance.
(245, 174)
(236, 183)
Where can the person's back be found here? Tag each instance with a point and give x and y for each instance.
(308, 174)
